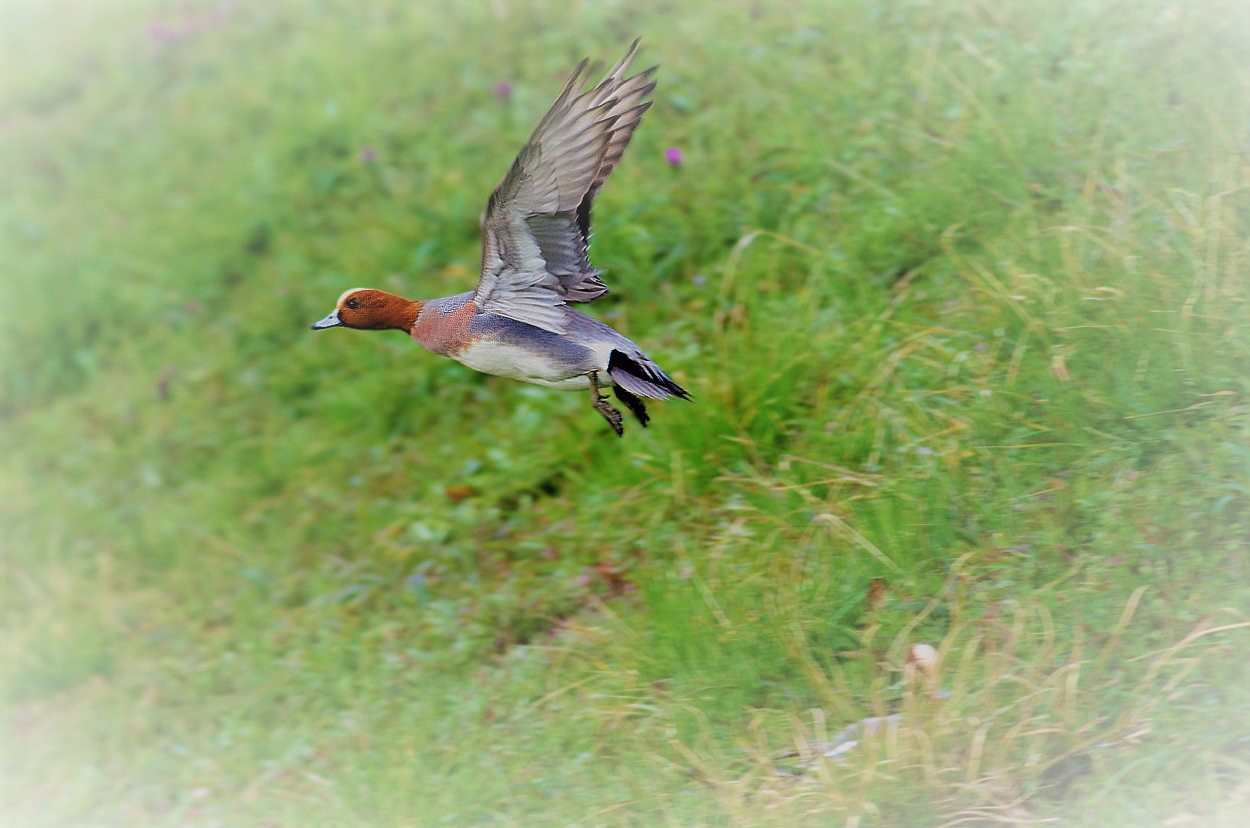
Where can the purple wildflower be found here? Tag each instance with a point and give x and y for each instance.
(163, 34)
(673, 156)
(368, 155)
(503, 91)
(190, 26)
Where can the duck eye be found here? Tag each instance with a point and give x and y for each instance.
(353, 304)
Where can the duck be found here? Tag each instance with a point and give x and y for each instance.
(519, 321)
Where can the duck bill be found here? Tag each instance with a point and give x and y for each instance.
(331, 321)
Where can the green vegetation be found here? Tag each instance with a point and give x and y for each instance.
(960, 289)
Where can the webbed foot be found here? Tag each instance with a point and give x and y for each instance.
(604, 407)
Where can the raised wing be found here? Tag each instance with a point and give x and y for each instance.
(536, 228)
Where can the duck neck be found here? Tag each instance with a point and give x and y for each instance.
(400, 315)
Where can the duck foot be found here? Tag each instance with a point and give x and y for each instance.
(633, 403)
(604, 407)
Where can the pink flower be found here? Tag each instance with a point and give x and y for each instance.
(163, 34)
(503, 91)
(673, 156)
(368, 155)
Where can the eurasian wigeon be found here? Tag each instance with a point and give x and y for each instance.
(518, 323)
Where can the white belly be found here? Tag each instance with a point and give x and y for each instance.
(525, 365)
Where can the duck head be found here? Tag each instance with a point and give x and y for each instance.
(371, 310)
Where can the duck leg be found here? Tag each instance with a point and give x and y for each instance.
(604, 407)
(633, 403)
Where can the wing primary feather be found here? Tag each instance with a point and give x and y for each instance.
(538, 217)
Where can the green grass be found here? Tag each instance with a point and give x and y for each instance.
(960, 291)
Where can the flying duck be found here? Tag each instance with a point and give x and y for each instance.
(519, 322)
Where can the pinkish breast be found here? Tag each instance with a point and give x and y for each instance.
(444, 333)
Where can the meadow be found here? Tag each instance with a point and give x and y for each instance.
(960, 291)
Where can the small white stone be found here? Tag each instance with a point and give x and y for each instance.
(926, 660)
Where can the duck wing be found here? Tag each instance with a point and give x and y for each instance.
(536, 228)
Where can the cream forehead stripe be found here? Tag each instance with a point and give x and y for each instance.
(347, 293)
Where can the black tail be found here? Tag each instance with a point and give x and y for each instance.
(642, 377)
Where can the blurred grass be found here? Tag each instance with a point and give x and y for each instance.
(959, 289)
